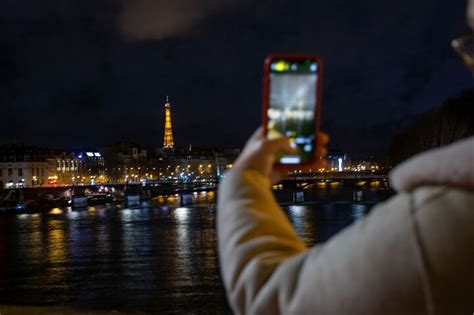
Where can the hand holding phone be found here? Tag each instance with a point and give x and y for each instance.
(292, 105)
(290, 119)
(259, 155)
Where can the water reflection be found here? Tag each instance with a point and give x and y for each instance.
(358, 211)
(24, 216)
(137, 272)
(103, 241)
(56, 253)
(204, 196)
(33, 242)
(56, 211)
(195, 197)
(317, 222)
(72, 215)
(297, 217)
(183, 246)
(157, 258)
(56, 246)
(322, 184)
(375, 184)
(181, 215)
(335, 184)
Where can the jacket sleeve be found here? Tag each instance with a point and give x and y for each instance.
(267, 269)
(254, 236)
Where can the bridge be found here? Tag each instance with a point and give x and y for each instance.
(44, 197)
(339, 176)
(172, 187)
(358, 179)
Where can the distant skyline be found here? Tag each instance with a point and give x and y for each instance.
(81, 73)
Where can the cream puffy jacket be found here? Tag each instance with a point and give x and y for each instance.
(413, 254)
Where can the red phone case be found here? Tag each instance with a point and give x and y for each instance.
(266, 94)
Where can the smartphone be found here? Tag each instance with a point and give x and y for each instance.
(292, 103)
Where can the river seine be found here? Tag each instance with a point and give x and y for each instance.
(159, 257)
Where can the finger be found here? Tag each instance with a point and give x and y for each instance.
(276, 176)
(257, 134)
(278, 145)
(254, 139)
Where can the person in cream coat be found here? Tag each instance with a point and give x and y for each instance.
(413, 254)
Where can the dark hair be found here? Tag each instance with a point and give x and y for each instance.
(452, 121)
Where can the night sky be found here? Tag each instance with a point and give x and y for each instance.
(77, 73)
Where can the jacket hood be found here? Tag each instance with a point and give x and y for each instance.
(451, 166)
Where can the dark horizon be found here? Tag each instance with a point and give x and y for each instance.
(90, 74)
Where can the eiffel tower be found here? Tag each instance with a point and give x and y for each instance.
(168, 142)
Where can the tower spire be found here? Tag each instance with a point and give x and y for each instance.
(168, 142)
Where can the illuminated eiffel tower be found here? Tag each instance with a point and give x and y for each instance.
(168, 142)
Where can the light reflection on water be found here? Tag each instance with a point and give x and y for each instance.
(317, 222)
(358, 211)
(181, 214)
(56, 249)
(136, 251)
(297, 216)
(55, 211)
(159, 257)
(183, 246)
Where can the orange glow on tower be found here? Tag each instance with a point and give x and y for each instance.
(168, 142)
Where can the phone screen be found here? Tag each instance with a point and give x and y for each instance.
(292, 105)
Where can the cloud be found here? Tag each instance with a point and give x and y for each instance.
(160, 19)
